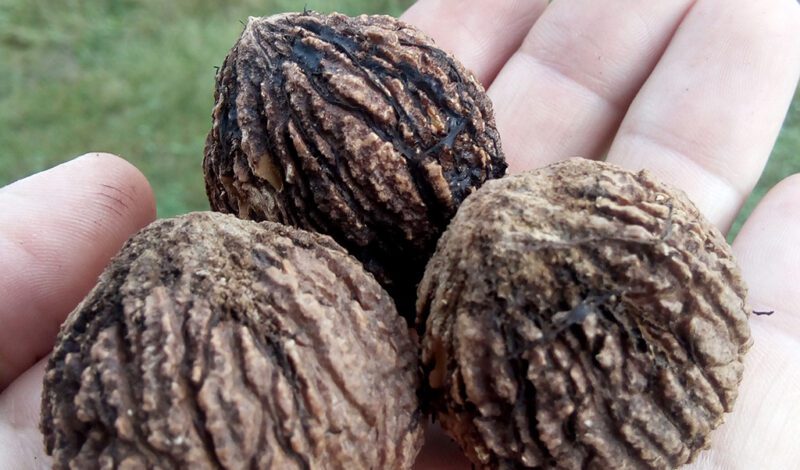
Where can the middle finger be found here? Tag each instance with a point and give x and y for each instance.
(481, 33)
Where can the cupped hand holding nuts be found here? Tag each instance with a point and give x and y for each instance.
(550, 317)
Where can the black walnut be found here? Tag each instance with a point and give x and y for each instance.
(582, 316)
(360, 128)
(216, 343)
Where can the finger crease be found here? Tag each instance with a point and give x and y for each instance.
(563, 72)
(675, 151)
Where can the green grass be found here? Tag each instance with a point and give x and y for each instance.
(131, 77)
(135, 77)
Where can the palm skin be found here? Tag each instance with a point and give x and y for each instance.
(694, 90)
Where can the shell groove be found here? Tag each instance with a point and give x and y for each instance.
(359, 128)
(582, 316)
(216, 343)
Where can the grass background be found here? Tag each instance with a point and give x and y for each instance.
(135, 78)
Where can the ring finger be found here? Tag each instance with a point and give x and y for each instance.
(566, 89)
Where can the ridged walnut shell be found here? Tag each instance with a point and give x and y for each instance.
(359, 128)
(582, 316)
(216, 343)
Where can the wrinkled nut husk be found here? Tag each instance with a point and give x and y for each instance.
(582, 316)
(212, 342)
(359, 128)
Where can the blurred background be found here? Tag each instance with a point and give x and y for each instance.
(136, 78)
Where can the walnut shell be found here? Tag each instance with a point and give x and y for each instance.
(359, 128)
(582, 316)
(212, 342)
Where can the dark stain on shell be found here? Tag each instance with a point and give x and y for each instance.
(359, 128)
(582, 316)
(212, 342)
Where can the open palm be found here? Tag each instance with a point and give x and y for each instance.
(694, 90)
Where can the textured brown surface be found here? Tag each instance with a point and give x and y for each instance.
(359, 128)
(212, 342)
(582, 316)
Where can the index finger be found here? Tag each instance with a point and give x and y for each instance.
(58, 229)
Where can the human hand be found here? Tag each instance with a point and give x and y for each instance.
(693, 90)
(58, 230)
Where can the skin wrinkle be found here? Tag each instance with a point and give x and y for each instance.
(54, 278)
(681, 148)
(565, 75)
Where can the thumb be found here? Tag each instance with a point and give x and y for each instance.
(20, 440)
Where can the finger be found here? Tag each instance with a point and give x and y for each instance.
(482, 34)
(58, 230)
(566, 89)
(768, 250)
(21, 443)
(768, 408)
(709, 114)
